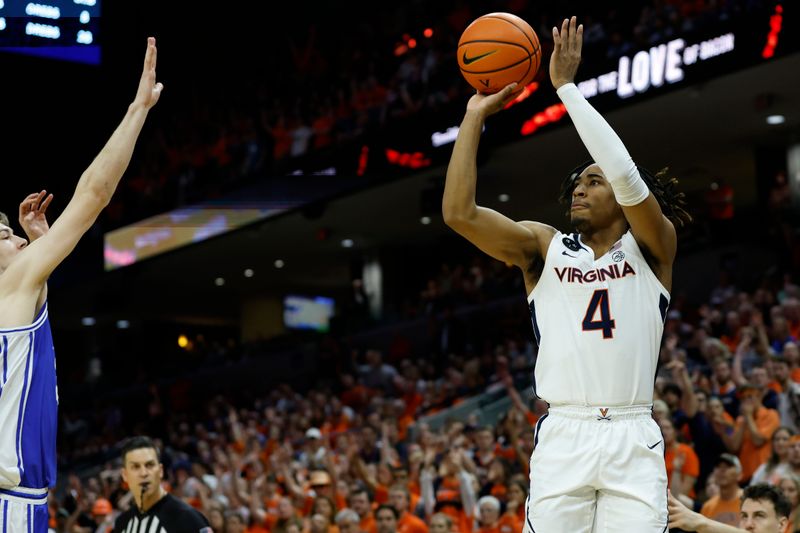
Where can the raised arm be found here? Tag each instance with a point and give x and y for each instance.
(515, 243)
(642, 211)
(95, 187)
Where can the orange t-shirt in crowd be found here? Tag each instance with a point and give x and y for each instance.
(381, 495)
(256, 528)
(462, 522)
(368, 524)
(752, 456)
(725, 511)
(509, 523)
(796, 375)
(691, 463)
(409, 523)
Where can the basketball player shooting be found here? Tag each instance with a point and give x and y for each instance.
(598, 297)
(28, 394)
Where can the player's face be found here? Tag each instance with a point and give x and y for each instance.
(593, 203)
(142, 469)
(10, 246)
(758, 516)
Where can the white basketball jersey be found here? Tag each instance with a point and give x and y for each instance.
(598, 323)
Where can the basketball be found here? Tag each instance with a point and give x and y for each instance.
(498, 49)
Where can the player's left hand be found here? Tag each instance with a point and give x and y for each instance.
(149, 91)
(566, 52)
(32, 214)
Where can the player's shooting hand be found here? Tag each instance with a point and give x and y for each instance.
(566, 52)
(489, 104)
(149, 91)
(32, 214)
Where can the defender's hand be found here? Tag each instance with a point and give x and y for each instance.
(149, 91)
(32, 214)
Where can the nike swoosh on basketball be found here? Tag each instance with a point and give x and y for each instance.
(654, 445)
(568, 255)
(470, 60)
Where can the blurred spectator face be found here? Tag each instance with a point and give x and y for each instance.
(516, 493)
(732, 321)
(285, 509)
(359, 502)
(781, 371)
(497, 472)
(323, 506)
(791, 309)
(489, 514)
(292, 528)
(319, 523)
(141, 468)
(789, 488)
(440, 523)
(722, 372)
(234, 523)
(780, 442)
(386, 521)
(726, 475)
(758, 516)
(348, 526)
(780, 328)
(702, 401)
(216, 519)
(794, 452)
(667, 431)
(715, 407)
(484, 440)
(399, 500)
(791, 352)
(759, 377)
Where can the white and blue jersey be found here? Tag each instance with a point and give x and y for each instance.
(28, 408)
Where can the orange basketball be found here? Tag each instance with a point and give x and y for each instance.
(498, 49)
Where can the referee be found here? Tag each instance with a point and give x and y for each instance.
(155, 511)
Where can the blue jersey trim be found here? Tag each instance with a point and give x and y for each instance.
(38, 321)
(23, 401)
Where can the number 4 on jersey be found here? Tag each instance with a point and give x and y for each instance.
(606, 323)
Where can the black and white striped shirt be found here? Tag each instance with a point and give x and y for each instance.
(168, 515)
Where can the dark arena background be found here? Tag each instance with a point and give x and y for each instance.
(272, 293)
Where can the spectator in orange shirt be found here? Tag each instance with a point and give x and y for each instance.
(359, 502)
(400, 499)
(682, 463)
(754, 429)
(386, 517)
(725, 506)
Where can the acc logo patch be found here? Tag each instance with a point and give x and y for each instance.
(571, 244)
(618, 256)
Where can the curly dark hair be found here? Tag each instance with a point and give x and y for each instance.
(663, 187)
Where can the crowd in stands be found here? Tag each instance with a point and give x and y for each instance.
(208, 144)
(327, 457)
